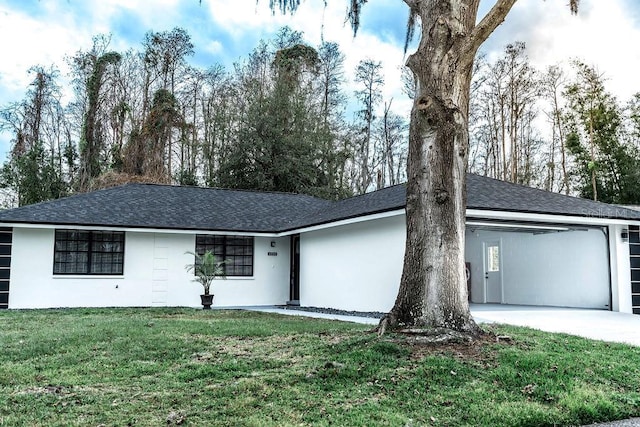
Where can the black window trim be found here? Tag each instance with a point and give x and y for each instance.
(89, 252)
(224, 255)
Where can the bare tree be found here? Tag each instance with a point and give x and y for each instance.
(34, 170)
(506, 94)
(390, 157)
(370, 81)
(334, 156)
(552, 86)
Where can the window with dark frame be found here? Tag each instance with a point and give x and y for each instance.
(88, 252)
(237, 251)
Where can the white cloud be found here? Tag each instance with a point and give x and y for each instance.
(214, 47)
(28, 42)
(603, 34)
(318, 23)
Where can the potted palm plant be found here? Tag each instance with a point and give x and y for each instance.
(206, 268)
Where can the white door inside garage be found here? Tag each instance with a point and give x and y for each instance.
(492, 271)
(543, 265)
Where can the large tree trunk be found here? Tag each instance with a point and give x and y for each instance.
(433, 291)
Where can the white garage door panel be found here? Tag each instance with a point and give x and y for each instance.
(567, 269)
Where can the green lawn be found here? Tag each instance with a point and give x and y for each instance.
(153, 367)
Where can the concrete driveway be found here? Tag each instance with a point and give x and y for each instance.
(595, 324)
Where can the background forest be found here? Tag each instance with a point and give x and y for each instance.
(286, 119)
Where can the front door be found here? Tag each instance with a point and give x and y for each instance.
(492, 271)
(294, 293)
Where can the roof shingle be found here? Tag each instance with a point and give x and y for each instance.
(194, 208)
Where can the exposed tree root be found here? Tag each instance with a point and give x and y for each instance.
(388, 320)
(437, 335)
(429, 335)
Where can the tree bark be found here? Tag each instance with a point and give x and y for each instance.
(433, 291)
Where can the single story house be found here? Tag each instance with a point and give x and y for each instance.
(127, 246)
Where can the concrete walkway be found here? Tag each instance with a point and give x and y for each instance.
(595, 324)
(630, 422)
(294, 312)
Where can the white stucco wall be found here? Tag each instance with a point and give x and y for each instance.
(555, 269)
(353, 267)
(620, 270)
(154, 275)
(33, 284)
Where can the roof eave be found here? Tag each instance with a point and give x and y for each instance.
(136, 228)
(507, 214)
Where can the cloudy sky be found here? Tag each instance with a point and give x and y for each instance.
(606, 33)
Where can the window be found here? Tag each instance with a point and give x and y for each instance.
(88, 252)
(235, 250)
(493, 254)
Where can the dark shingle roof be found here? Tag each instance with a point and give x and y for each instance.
(483, 194)
(387, 199)
(171, 207)
(491, 194)
(193, 208)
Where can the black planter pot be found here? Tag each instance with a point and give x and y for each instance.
(206, 301)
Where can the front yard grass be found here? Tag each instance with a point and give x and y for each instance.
(152, 367)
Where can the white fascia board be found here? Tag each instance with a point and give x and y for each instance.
(555, 219)
(345, 222)
(480, 214)
(470, 213)
(136, 230)
(515, 225)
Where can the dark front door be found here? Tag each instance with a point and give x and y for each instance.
(294, 294)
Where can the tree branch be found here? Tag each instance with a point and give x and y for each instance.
(485, 27)
(413, 4)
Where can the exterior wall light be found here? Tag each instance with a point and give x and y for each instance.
(624, 235)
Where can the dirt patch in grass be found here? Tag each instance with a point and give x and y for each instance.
(39, 390)
(481, 349)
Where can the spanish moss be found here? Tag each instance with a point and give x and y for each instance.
(354, 14)
(411, 29)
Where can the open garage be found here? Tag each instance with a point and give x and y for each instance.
(538, 264)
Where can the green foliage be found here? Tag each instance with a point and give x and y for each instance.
(91, 141)
(282, 138)
(33, 177)
(187, 177)
(206, 268)
(192, 367)
(370, 82)
(596, 142)
(290, 63)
